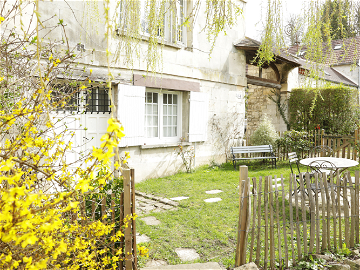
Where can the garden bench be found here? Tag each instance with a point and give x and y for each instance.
(250, 150)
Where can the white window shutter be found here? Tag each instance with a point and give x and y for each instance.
(199, 106)
(131, 113)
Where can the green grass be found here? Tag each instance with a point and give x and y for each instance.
(209, 228)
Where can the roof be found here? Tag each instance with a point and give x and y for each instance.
(251, 45)
(343, 51)
(330, 74)
(339, 56)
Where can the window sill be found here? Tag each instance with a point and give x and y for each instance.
(152, 146)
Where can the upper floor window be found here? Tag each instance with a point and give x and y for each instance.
(169, 15)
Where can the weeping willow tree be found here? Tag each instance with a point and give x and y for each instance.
(139, 20)
(322, 23)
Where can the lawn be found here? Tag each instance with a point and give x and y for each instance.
(209, 228)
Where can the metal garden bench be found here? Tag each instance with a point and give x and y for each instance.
(251, 150)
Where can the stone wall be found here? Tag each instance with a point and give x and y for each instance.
(259, 104)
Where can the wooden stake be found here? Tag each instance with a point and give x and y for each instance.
(254, 193)
(292, 178)
(333, 203)
(257, 261)
(323, 215)
(317, 186)
(127, 214)
(284, 221)
(346, 209)
(297, 221)
(303, 213)
(312, 214)
(272, 242)
(244, 215)
(338, 183)
(266, 254)
(278, 222)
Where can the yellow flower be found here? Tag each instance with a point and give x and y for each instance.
(82, 87)
(50, 57)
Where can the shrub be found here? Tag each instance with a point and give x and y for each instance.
(332, 108)
(264, 134)
(295, 141)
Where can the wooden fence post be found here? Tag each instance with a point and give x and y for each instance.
(127, 214)
(244, 216)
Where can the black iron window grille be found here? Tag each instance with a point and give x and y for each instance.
(93, 99)
(97, 100)
(66, 97)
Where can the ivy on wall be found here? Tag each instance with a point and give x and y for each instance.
(335, 109)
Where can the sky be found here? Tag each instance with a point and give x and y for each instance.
(255, 11)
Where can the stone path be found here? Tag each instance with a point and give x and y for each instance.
(146, 203)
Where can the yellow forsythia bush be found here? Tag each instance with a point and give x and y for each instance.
(35, 228)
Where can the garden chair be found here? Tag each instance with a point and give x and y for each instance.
(294, 160)
(322, 151)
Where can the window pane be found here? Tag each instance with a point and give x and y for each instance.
(165, 131)
(165, 98)
(174, 131)
(174, 120)
(155, 132)
(155, 121)
(165, 120)
(174, 99)
(155, 109)
(155, 97)
(148, 97)
(148, 109)
(174, 110)
(165, 110)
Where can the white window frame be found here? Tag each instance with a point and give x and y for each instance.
(161, 139)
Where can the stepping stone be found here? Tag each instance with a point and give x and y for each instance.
(155, 263)
(142, 238)
(214, 191)
(213, 200)
(151, 221)
(179, 198)
(187, 254)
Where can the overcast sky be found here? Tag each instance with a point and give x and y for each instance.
(255, 11)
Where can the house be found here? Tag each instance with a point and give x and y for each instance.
(193, 98)
(268, 80)
(342, 66)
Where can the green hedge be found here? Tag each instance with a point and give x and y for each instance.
(333, 108)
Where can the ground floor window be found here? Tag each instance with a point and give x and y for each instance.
(162, 115)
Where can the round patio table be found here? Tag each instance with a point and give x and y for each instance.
(336, 164)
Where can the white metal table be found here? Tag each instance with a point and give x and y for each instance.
(330, 163)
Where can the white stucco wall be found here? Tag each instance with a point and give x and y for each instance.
(222, 77)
